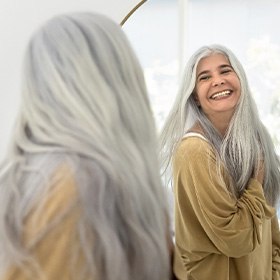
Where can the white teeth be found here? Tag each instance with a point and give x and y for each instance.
(220, 94)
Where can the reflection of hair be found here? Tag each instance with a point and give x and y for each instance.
(246, 141)
(85, 102)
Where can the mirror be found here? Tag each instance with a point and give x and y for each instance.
(153, 32)
(165, 33)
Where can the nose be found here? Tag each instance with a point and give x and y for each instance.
(217, 81)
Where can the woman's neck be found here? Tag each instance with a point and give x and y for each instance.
(221, 122)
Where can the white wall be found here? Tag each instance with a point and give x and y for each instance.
(18, 20)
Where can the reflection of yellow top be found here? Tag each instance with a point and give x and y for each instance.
(217, 236)
(53, 250)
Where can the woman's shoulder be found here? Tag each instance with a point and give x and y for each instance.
(61, 193)
(194, 146)
(64, 185)
(193, 141)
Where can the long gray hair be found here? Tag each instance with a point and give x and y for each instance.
(84, 102)
(246, 142)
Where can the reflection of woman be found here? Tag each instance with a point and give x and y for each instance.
(226, 175)
(80, 194)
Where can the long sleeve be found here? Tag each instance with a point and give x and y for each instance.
(275, 248)
(234, 227)
(51, 237)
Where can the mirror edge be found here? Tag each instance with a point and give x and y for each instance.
(132, 11)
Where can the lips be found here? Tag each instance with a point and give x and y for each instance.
(221, 94)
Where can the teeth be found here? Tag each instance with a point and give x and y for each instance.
(220, 94)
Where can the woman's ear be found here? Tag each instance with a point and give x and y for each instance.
(196, 100)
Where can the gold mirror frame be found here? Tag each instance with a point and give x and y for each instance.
(132, 11)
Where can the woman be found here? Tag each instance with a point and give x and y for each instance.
(81, 196)
(226, 174)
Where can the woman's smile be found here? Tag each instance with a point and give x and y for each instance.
(221, 95)
(217, 89)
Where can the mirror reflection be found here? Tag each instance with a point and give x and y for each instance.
(164, 33)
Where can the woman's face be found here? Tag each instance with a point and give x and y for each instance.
(217, 89)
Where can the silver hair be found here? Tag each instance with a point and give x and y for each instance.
(246, 142)
(85, 102)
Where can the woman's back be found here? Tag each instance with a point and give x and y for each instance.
(82, 164)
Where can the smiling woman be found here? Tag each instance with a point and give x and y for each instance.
(217, 90)
(225, 172)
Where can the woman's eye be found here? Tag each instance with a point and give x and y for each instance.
(226, 71)
(204, 78)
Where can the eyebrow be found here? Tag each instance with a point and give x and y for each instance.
(220, 67)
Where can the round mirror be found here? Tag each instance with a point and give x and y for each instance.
(165, 33)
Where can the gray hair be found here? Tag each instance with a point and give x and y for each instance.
(85, 102)
(246, 141)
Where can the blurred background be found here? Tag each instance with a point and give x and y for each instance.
(164, 33)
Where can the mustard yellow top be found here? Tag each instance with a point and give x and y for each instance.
(50, 235)
(216, 236)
